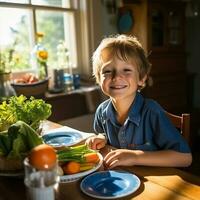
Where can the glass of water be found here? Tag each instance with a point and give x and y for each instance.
(40, 184)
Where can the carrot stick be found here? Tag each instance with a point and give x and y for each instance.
(71, 167)
(91, 157)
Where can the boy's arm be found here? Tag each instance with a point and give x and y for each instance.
(164, 158)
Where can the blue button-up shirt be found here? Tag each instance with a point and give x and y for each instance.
(146, 127)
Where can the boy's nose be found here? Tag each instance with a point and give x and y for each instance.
(116, 74)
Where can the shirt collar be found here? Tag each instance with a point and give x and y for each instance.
(109, 112)
(134, 113)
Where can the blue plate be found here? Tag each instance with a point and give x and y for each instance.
(62, 138)
(110, 184)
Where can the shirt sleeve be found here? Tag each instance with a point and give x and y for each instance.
(98, 121)
(167, 135)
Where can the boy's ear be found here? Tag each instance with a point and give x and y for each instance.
(141, 82)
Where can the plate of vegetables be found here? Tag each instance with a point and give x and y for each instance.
(77, 161)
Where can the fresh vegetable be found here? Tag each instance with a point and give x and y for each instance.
(91, 157)
(18, 140)
(43, 157)
(76, 153)
(86, 166)
(77, 159)
(27, 78)
(73, 167)
(20, 108)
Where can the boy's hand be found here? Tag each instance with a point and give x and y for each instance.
(120, 157)
(96, 142)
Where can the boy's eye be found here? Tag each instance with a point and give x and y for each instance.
(106, 72)
(127, 70)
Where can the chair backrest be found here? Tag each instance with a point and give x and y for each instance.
(182, 123)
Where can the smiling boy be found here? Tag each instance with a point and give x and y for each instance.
(136, 126)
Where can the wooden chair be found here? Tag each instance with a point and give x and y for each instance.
(182, 123)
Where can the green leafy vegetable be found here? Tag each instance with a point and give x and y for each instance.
(18, 140)
(75, 153)
(31, 111)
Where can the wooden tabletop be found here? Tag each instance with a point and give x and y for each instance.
(157, 183)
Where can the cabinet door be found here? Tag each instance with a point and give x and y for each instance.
(157, 26)
(175, 26)
(166, 26)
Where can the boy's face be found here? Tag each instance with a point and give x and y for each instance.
(119, 79)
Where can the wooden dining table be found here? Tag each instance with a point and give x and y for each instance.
(157, 183)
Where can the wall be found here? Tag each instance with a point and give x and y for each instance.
(193, 52)
(103, 21)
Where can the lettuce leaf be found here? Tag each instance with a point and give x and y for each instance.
(19, 140)
(20, 108)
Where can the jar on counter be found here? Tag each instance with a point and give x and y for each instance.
(6, 90)
(68, 80)
(76, 81)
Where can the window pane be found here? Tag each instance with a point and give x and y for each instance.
(58, 3)
(17, 35)
(14, 36)
(15, 1)
(51, 23)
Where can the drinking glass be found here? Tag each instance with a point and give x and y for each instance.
(40, 184)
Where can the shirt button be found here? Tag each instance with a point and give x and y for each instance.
(122, 133)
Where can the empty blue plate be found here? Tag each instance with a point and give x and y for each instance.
(110, 184)
(58, 139)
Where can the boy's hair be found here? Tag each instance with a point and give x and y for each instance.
(126, 48)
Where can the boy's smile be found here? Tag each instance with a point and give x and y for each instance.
(117, 87)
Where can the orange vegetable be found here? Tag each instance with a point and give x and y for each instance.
(91, 157)
(43, 157)
(71, 167)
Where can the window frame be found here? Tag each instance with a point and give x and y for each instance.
(33, 26)
(81, 30)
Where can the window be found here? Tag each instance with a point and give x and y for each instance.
(56, 19)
